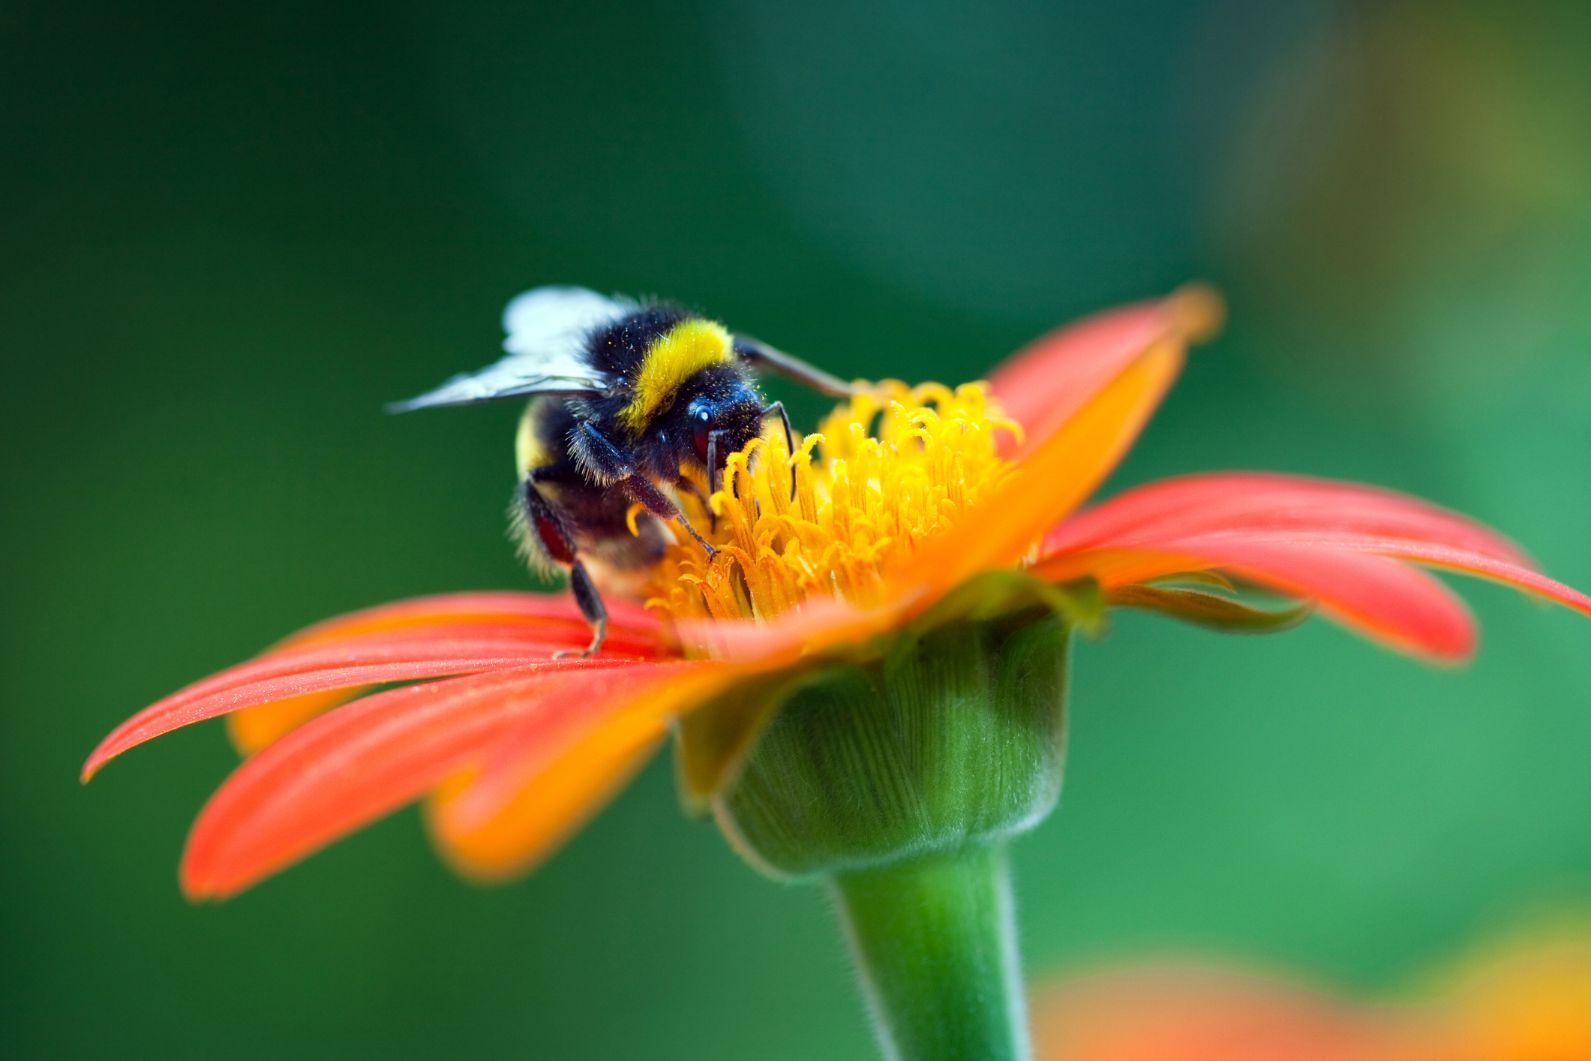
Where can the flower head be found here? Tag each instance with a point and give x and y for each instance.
(895, 513)
(845, 514)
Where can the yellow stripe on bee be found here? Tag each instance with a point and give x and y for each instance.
(530, 449)
(675, 356)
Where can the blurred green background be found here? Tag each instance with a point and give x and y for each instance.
(231, 232)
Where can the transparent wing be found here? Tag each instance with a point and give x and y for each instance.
(547, 331)
(546, 319)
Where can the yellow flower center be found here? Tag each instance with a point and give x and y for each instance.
(887, 469)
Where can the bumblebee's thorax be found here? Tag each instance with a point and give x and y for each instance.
(680, 382)
(658, 353)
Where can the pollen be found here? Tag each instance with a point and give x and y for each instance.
(888, 469)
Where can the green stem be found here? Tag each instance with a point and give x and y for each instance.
(935, 946)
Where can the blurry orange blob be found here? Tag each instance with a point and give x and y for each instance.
(1526, 999)
(1172, 1013)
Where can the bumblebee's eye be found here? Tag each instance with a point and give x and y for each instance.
(700, 415)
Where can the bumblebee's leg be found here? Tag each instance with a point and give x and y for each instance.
(613, 465)
(695, 491)
(547, 524)
(789, 440)
(713, 467)
(591, 606)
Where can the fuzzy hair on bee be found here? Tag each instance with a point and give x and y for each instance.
(626, 399)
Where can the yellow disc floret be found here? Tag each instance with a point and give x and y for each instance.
(887, 469)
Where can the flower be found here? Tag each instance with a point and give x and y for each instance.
(1525, 998)
(1205, 1012)
(910, 507)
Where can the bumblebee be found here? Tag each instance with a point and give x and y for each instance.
(627, 400)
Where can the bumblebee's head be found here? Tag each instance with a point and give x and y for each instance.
(719, 413)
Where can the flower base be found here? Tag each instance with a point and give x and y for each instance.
(956, 737)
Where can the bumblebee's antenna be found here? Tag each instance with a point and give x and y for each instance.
(789, 441)
(760, 354)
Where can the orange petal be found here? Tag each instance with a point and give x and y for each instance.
(1047, 382)
(1308, 537)
(314, 667)
(365, 759)
(629, 625)
(543, 617)
(1258, 502)
(550, 619)
(262, 725)
(1470, 563)
(537, 787)
(547, 810)
(1052, 480)
(631, 628)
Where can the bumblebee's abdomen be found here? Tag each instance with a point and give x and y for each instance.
(596, 518)
(575, 515)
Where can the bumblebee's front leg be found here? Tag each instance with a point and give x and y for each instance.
(702, 497)
(547, 524)
(612, 464)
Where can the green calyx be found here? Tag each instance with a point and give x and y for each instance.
(953, 737)
(1223, 612)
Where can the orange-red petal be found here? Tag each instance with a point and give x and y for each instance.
(630, 626)
(405, 654)
(1326, 541)
(1466, 562)
(1251, 502)
(553, 619)
(358, 762)
(1047, 382)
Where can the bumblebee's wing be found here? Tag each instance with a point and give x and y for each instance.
(548, 328)
(760, 355)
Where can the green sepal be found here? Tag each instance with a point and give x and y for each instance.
(993, 594)
(955, 737)
(1210, 610)
(1199, 578)
(712, 741)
